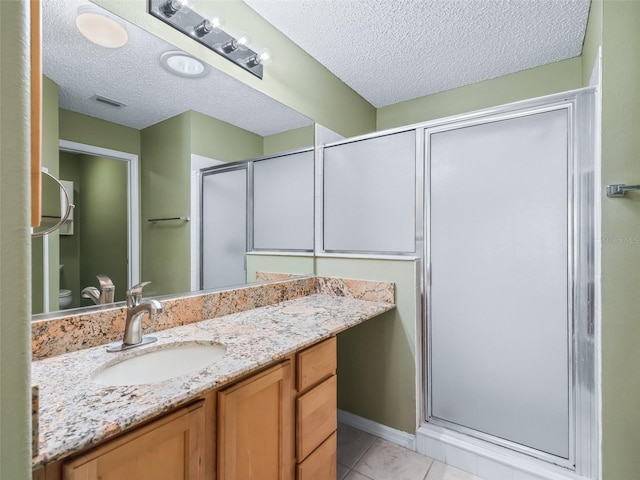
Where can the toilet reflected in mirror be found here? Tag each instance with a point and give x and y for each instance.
(65, 297)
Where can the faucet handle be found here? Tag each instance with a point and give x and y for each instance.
(107, 289)
(105, 282)
(134, 295)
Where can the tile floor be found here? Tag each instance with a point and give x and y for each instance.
(364, 457)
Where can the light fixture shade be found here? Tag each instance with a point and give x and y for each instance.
(182, 64)
(100, 28)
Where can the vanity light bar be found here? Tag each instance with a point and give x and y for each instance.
(207, 32)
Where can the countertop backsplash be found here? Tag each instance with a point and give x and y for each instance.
(70, 332)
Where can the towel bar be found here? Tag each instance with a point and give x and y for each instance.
(619, 190)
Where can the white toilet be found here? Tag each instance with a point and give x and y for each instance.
(65, 298)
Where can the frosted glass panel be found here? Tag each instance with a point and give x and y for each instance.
(369, 195)
(224, 228)
(499, 295)
(283, 202)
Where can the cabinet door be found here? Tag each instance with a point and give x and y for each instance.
(167, 448)
(255, 427)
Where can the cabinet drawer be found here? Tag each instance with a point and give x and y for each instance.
(321, 464)
(316, 363)
(316, 417)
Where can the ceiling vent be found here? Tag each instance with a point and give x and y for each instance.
(108, 101)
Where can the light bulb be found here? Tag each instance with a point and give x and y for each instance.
(216, 21)
(264, 57)
(242, 41)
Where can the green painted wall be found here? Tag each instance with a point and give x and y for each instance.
(37, 280)
(293, 78)
(620, 240)
(164, 177)
(220, 140)
(76, 127)
(70, 244)
(15, 244)
(303, 265)
(166, 189)
(66, 125)
(102, 215)
(592, 40)
(80, 128)
(291, 140)
(535, 82)
(376, 360)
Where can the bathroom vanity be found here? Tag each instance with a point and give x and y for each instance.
(264, 409)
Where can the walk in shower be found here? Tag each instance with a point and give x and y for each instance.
(509, 279)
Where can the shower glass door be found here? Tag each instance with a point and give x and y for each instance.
(500, 306)
(224, 226)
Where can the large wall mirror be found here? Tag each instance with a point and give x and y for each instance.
(131, 135)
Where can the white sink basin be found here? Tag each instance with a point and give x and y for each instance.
(159, 365)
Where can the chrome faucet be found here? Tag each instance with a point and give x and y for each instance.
(102, 295)
(136, 308)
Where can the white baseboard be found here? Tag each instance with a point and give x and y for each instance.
(392, 435)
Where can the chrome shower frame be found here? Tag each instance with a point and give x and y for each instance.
(582, 188)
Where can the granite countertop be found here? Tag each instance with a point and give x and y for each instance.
(76, 413)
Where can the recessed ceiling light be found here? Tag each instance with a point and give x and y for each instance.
(180, 63)
(100, 28)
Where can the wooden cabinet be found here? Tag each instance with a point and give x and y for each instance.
(276, 424)
(255, 427)
(316, 412)
(171, 447)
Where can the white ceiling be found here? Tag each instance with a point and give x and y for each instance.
(390, 51)
(133, 75)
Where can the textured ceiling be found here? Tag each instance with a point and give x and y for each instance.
(133, 75)
(390, 51)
